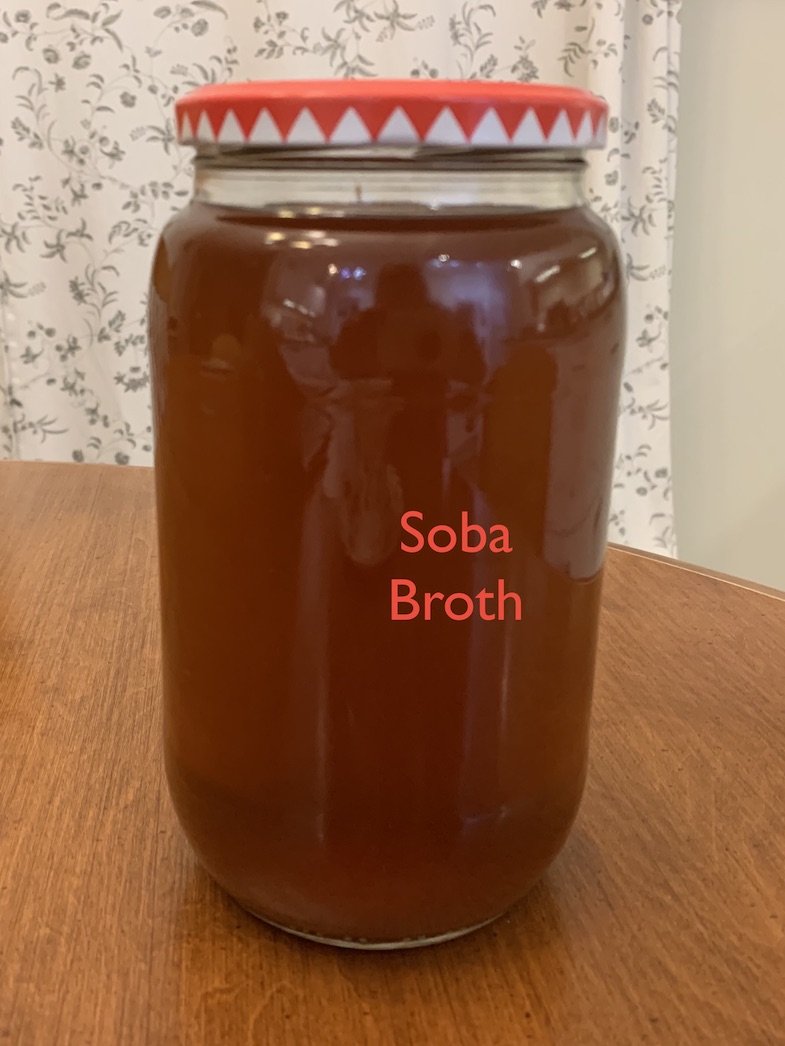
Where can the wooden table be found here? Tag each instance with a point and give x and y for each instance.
(662, 922)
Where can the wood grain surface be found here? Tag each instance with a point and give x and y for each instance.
(662, 921)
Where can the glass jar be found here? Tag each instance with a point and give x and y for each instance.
(387, 340)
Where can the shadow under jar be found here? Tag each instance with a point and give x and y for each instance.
(387, 340)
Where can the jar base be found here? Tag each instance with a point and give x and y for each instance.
(361, 944)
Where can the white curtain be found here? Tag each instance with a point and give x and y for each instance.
(89, 171)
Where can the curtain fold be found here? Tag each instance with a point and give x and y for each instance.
(90, 171)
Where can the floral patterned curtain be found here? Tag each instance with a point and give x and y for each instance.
(89, 171)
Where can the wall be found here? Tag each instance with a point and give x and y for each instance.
(728, 317)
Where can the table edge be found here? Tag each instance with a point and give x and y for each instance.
(692, 568)
(673, 564)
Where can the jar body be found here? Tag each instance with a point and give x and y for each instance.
(350, 759)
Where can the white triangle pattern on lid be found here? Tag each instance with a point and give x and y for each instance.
(398, 129)
(561, 135)
(585, 135)
(351, 129)
(186, 131)
(602, 131)
(305, 130)
(445, 130)
(265, 130)
(204, 130)
(490, 131)
(528, 134)
(231, 132)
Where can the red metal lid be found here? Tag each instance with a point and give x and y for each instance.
(486, 114)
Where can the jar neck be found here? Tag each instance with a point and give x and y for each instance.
(352, 181)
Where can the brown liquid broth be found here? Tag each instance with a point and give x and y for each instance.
(339, 772)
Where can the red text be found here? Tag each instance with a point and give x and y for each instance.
(407, 604)
(443, 538)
